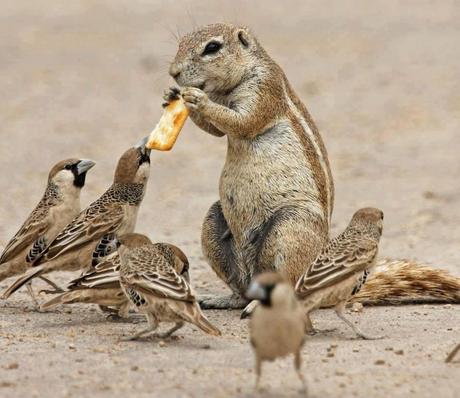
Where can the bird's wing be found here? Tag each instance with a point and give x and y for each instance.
(161, 281)
(33, 228)
(341, 259)
(89, 225)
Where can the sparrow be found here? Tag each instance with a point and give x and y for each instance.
(58, 206)
(154, 277)
(114, 212)
(100, 284)
(342, 267)
(277, 324)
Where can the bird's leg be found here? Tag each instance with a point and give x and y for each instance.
(112, 313)
(258, 373)
(153, 324)
(311, 330)
(32, 295)
(340, 311)
(249, 309)
(169, 332)
(57, 289)
(297, 364)
(454, 352)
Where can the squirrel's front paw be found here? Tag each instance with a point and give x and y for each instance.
(194, 98)
(170, 95)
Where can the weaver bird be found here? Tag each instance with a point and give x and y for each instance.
(114, 212)
(277, 325)
(59, 205)
(342, 267)
(155, 279)
(100, 284)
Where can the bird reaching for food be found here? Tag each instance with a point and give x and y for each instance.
(114, 212)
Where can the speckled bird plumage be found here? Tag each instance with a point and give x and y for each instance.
(343, 265)
(100, 284)
(114, 212)
(155, 279)
(59, 205)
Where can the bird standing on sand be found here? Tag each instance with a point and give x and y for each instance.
(58, 206)
(155, 279)
(100, 284)
(114, 212)
(342, 267)
(277, 325)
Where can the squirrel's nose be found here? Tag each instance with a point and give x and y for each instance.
(174, 71)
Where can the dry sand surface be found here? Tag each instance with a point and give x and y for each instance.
(381, 79)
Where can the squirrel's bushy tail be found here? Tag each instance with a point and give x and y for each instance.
(396, 282)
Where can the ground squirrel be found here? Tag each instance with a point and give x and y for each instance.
(276, 189)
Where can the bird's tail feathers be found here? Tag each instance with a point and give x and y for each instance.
(21, 281)
(194, 315)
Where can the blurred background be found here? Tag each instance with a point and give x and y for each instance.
(381, 79)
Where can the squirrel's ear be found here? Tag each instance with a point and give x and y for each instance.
(243, 37)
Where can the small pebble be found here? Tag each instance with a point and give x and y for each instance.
(379, 362)
(399, 352)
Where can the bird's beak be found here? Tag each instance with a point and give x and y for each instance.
(256, 292)
(84, 165)
(144, 150)
(142, 142)
(186, 275)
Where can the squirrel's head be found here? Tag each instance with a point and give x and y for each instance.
(214, 58)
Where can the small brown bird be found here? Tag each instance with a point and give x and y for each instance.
(342, 267)
(99, 285)
(114, 212)
(155, 279)
(58, 206)
(277, 325)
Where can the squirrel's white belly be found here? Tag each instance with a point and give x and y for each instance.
(265, 174)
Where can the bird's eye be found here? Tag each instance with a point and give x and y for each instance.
(212, 47)
(68, 166)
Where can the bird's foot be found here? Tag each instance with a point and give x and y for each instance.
(315, 331)
(249, 309)
(51, 291)
(232, 301)
(366, 336)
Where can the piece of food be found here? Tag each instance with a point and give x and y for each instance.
(165, 133)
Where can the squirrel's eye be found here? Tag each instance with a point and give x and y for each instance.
(68, 166)
(212, 47)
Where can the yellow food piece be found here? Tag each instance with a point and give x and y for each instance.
(165, 133)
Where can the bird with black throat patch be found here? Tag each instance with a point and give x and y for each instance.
(277, 325)
(58, 206)
(114, 212)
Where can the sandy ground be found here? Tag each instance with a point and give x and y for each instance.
(84, 78)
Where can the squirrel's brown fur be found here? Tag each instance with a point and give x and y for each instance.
(276, 189)
(408, 282)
